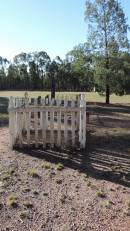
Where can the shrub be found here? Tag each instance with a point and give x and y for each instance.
(12, 201)
(100, 194)
(46, 166)
(60, 167)
(33, 173)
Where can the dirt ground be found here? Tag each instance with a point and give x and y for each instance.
(89, 190)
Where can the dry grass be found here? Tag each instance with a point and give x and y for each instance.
(46, 166)
(60, 166)
(90, 96)
(12, 201)
(33, 173)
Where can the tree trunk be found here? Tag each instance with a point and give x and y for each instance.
(107, 94)
(53, 89)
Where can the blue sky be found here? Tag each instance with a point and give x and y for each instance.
(54, 26)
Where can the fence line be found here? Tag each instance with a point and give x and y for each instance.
(43, 122)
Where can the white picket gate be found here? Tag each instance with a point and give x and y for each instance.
(44, 122)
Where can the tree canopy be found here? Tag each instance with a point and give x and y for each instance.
(107, 34)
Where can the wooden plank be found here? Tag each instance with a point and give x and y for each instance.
(59, 128)
(73, 128)
(36, 128)
(82, 126)
(52, 129)
(11, 129)
(20, 117)
(84, 129)
(44, 128)
(36, 124)
(53, 108)
(65, 122)
(65, 128)
(28, 123)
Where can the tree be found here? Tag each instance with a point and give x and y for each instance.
(106, 26)
(34, 75)
(36, 62)
(81, 67)
(4, 63)
(13, 77)
(52, 71)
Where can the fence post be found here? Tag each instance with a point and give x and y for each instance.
(11, 123)
(82, 124)
(58, 124)
(36, 123)
(73, 121)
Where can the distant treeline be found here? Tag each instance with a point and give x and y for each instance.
(81, 70)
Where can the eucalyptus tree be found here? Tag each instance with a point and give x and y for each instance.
(21, 62)
(80, 59)
(4, 64)
(32, 68)
(106, 25)
(42, 60)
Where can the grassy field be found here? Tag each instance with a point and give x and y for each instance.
(90, 96)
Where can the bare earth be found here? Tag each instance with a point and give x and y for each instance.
(92, 192)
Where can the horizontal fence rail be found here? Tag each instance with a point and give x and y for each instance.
(44, 122)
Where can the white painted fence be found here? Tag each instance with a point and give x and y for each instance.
(43, 122)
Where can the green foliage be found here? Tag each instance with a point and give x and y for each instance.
(100, 194)
(46, 166)
(60, 167)
(107, 35)
(33, 173)
(81, 67)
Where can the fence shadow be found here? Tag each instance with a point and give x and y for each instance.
(102, 108)
(100, 163)
(107, 155)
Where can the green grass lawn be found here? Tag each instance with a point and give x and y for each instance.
(90, 96)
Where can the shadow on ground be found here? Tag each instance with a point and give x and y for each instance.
(98, 162)
(106, 109)
(107, 155)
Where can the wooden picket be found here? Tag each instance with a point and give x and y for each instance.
(47, 122)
